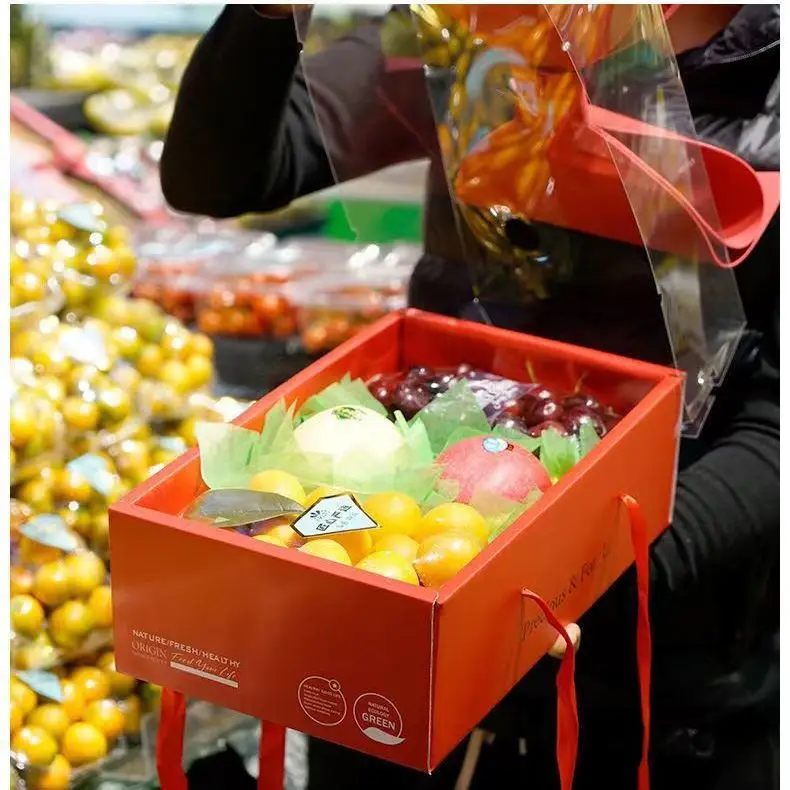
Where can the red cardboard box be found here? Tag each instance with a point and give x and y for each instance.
(399, 672)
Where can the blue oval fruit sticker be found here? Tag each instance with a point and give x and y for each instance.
(494, 444)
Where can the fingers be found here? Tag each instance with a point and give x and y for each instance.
(559, 647)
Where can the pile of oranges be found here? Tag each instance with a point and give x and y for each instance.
(59, 603)
(427, 549)
(98, 708)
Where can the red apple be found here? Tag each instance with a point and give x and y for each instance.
(492, 464)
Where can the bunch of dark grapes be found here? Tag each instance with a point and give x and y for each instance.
(538, 410)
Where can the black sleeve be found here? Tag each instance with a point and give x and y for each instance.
(727, 503)
(244, 135)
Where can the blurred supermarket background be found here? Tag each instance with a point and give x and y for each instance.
(129, 324)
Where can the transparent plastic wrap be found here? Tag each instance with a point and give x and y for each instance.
(582, 207)
(331, 309)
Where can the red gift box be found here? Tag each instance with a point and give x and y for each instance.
(399, 672)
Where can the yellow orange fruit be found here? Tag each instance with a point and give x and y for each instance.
(92, 682)
(70, 623)
(400, 544)
(357, 544)
(36, 744)
(107, 717)
(38, 654)
(23, 696)
(201, 344)
(52, 718)
(33, 553)
(27, 616)
(57, 776)
(73, 486)
(83, 744)
(120, 685)
(21, 581)
(441, 556)
(326, 549)
(132, 715)
(454, 517)
(391, 565)
(87, 572)
(52, 584)
(100, 605)
(200, 370)
(286, 534)
(73, 699)
(320, 493)
(394, 512)
(17, 717)
(273, 539)
(274, 481)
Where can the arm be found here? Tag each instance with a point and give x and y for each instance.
(244, 135)
(727, 503)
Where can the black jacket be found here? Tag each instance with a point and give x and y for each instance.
(244, 138)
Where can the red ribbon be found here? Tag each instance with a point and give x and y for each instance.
(567, 712)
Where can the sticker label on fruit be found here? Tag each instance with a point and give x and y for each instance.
(45, 684)
(50, 530)
(332, 515)
(95, 470)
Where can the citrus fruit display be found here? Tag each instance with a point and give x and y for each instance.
(105, 389)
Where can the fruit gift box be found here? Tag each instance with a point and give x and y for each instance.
(367, 656)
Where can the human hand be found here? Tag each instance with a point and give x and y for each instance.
(557, 650)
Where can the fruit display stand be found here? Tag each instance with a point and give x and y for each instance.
(104, 390)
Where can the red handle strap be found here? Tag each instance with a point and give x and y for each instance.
(739, 239)
(170, 741)
(567, 712)
(641, 546)
(170, 748)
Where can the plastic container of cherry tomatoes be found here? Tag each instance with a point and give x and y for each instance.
(244, 307)
(170, 257)
(332, 308)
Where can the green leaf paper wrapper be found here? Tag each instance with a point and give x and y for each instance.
(230, 455)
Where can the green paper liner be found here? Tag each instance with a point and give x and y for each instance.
(346, 392)
(230, 455)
